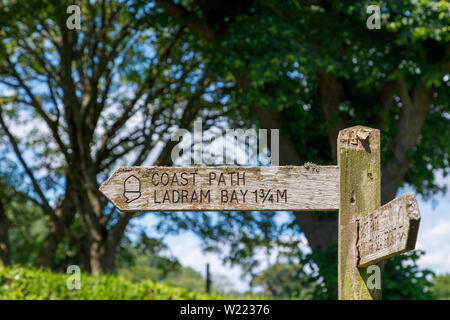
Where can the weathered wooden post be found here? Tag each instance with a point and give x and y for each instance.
(360, 194)
(368, 233)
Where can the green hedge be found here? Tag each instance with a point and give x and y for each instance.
(20, 283)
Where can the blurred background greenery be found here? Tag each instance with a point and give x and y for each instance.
(77, 104)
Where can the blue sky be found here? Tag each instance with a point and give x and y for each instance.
(434, 232)
(433, 238)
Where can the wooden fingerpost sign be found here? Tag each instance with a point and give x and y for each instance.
(311, 188)
(367, 233)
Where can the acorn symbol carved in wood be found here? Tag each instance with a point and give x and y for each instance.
(131, 188)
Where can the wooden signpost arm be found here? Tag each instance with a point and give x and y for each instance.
(388, 231)
(360, 194)
(367, 232)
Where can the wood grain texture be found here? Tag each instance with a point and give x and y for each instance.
(389, 231)
(309, 187)
(360, 193)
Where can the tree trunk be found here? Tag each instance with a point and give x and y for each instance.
(4, 242)
(66, 211)
(97, 253)
(332, 92)
(47, 252)
(416, 103)
(102, 256)
(320, 229)
(109, 261)
(332, 95)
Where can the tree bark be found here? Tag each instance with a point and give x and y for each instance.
(97, 253)
(332, 95)
(65, 212)
(416, 103)
(47, 252)
(4, 240)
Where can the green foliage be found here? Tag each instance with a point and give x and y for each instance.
(314, 276)
(244, 232)
(279, 49)
(284, 47)
(20, 283)
(31, 284)
(27, 232)
(441, 286)
(146, 252)
(148, 259)
(125, 62)
(187, 278)
(402, 279)
(276, 53)
(140, 273)
(286, 280)
(324, 265)
(183, 277)
(26, 221)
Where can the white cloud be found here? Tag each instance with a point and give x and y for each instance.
(434, 236)
(434, 229)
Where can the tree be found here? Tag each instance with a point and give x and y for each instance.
(4, 233)
(78, 103)
(22, 223)
(404, 280)
(148, 256)
(286, 280)
(7, 197)
(149, 259)
(312, 68)
(111, 93)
